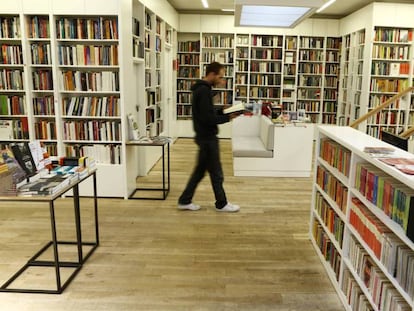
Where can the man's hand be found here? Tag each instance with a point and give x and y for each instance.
(235, 114)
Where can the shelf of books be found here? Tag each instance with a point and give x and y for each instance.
(266, 59)
(362, 218)
(290, 68)
(13, 105)
(310, 76)
(88, 73)
(42, 95)
(219, 48)
(188, 71)
(344, 89)
(331, 80)
(390, 74)
(241, 67)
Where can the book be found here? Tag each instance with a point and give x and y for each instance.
(234, 108)
(6, 129)
(23, 155)
(379, 151)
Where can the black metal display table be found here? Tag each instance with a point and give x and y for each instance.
(57, 263)
(165, 189)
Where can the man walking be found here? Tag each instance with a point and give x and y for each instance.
(205, 121)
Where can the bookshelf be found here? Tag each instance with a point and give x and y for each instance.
(219, 48)
(13, 83)
(74, 73)
(189, 61)
(241, 67)
(390, 74)
(355, 228)
(290, 70)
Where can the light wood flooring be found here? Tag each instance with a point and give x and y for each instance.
(154, 257)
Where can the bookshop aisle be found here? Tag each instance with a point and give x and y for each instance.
(154, 257)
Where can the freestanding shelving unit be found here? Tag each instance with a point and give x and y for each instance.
(362, 233)
(71, 73)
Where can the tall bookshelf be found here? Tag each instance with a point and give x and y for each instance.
(219, 48)
(13, 83)
(189, 61)
(390, 74)
(290, 69)
(365, 245)
(241, 67)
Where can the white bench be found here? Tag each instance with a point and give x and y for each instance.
(261, 148)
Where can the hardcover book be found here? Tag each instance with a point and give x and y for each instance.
(22, 154)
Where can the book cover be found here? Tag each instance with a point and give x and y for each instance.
(6, 129)
(22, 154)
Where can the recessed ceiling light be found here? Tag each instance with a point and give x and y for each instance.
(323, 7)
(227, 10)
(205, 3)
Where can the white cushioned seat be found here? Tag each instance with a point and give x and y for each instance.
(250, 146)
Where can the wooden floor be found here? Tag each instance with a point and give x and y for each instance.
(154, 257)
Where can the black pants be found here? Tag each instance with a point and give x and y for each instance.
(208, 160)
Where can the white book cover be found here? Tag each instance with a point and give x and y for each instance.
(6, 129)
(394, 69)
(234, 108)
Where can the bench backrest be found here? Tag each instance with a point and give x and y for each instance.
(267, 132)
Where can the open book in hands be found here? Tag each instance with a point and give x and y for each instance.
(235, 108)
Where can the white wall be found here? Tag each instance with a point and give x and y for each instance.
(357, 20)
(225, 24)
(393, 15)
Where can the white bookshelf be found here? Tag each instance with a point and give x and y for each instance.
(339, 210)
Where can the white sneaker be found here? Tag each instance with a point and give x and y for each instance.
(189, 207)
(229, 208)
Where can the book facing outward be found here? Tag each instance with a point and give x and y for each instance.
(234, 108)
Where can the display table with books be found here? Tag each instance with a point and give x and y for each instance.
(48, 190)
(164, 144)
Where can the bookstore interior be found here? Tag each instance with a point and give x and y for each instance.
(80, 81)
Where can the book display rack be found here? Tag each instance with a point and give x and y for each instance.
(362, 218)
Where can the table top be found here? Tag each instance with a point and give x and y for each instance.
(46, 198)
(160, 142)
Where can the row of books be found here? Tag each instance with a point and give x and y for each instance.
(267, 40)
(269, 67)
(326, 119)
(336, 155)
(80, 55)
(304, 94)
(311, 68)
(393, 198)
(310, 81)
(265, 79)
(44, 106)
(38, 27)
(327, 248)
(40, 53)
(12, 105)
(309, 106)
(11, 79)
(391, 52)
(311, 42)
(184, 85)
(377, 99)
(241, 78)
(264, 92)
(332, 57)
(393, 35)
(102, 81)
(189, 46)
(383, 293)
(390, 69)
(99, 131)
(332, 221)
(14, 129)
(332, 187)
(11, 54)
(242, 65)
(42, 80)
(101, 153)
(10, 27)
(189, 59)
(218, 41)
(331, 82)
(45, 130)
(137, 48)
(309, 55)
(91, 106)
(353, 293)
(266, 54)
(189, 72)
(369, 227)
(329, 107)
(225, 57)
(388, 85)
(100, 28)
(242, 52)
(388, 117)
(184, 110)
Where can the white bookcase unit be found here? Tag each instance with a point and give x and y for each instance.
(71, 72)
(361, 222)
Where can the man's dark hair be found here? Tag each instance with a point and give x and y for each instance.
(214, 67)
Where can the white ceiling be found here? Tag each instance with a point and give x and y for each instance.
(339, 9)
